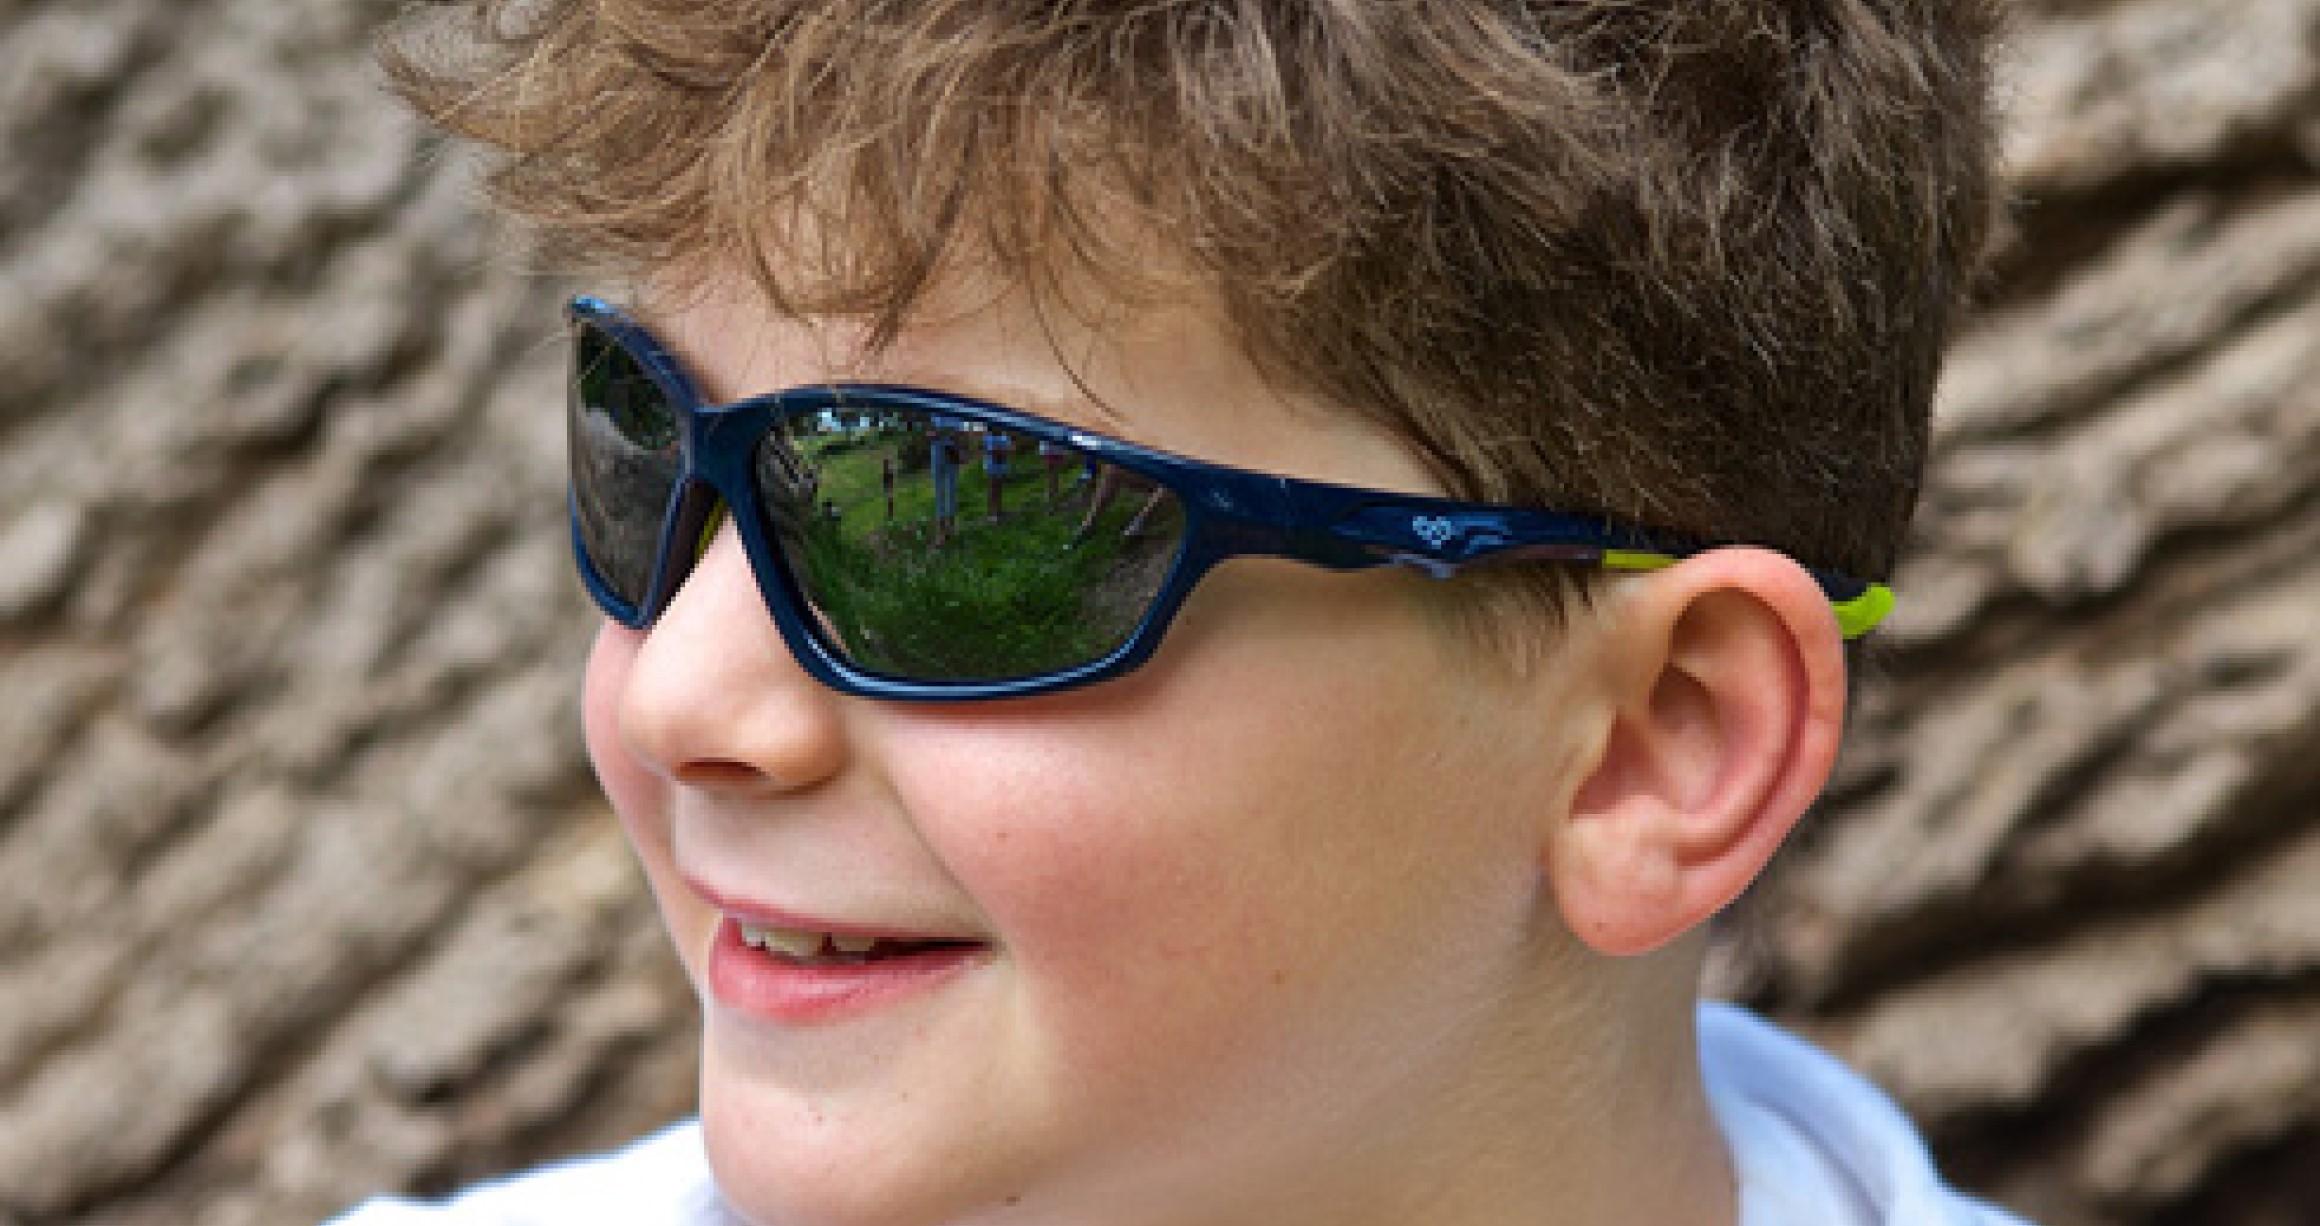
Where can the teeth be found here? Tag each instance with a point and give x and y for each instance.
(852, 945)
(787, 941)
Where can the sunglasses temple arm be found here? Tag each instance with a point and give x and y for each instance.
(1343, 528)
(1439, 539)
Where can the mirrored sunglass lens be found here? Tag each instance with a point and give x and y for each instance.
(937, 549)
(625, 461)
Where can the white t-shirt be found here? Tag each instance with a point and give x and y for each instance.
(662, 1180)
(1814, 1145)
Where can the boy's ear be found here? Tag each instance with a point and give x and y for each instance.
(1727, 688)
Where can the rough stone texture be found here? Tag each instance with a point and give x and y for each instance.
(305, 893)
(2063, 900)
(304, 890)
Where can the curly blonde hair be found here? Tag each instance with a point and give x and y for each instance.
(1686, 264)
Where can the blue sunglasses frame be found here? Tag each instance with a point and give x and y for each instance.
(1228, 513)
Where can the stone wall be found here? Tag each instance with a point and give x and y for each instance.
(2067, 899)
(304, 889)
(305, 892)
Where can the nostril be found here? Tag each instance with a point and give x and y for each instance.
(717, 773)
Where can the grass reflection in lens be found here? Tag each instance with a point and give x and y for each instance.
(1050, 581)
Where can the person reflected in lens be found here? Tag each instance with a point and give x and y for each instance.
(996, 446)
(944, 456)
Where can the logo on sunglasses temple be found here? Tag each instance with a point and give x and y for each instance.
(1435, 530)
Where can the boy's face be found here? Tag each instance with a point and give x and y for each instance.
(1244, 918)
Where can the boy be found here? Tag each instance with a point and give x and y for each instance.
(1453, 334)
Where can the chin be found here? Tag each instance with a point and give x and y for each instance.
(782, 1162)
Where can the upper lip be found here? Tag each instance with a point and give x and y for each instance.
(765, 915)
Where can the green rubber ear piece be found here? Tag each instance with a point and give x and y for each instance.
(1861, 614)
(1629, 559)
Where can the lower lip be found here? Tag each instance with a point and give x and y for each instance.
(771, 987)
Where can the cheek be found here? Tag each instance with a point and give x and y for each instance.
(1137, 951)
(1251, 890)
(638, 795)
(625, 780)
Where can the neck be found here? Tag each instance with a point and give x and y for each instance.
(1576, 1108)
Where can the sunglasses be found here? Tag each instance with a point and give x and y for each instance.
(917, 545)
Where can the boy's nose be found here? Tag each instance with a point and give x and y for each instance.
(715, 699)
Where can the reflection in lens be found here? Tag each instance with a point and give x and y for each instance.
(931, 549)
(622, 435)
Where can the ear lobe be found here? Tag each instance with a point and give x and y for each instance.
(1729, 690)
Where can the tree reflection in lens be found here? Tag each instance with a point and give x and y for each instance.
(901, 590)
(622, 444)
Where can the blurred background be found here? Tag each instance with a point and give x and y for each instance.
(306, 894)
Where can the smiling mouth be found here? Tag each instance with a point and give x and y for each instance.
(802, 947)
